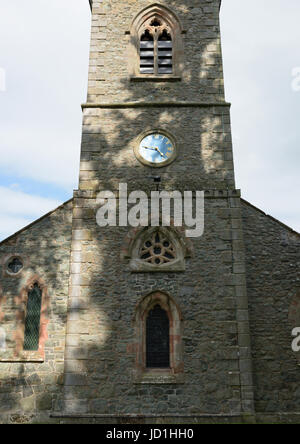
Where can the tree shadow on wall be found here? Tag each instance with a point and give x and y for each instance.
(101, 364)
(110, 292)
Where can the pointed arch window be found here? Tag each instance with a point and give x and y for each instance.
(156, 48)
(156, 44)
(159, 350)
(32, 319)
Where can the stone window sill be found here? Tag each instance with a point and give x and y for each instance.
(150, 78)
(22, 357)
(140, 266)
(158, 376)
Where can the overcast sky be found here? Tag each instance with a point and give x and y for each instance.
(44, 49)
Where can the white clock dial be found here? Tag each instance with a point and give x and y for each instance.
(156, 149)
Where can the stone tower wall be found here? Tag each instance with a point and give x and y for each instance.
(102, 343)
(109, 76)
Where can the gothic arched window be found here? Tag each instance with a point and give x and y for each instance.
(32, 319)
(157, 45)
(159, 327)
(157, 339)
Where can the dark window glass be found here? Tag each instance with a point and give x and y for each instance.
(157, 339)
(32, 321)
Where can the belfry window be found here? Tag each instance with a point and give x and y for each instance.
(32, 320)
(157, 339)
(156, 48)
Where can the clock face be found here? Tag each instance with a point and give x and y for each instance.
(156, 149)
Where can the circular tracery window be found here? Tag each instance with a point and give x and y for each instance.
(14, 265)
(158, 249)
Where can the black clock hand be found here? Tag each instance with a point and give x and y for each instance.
(149, 148)
(158, 150)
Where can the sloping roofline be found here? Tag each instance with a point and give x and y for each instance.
(35, 222)
(270, 217)
(70, 200)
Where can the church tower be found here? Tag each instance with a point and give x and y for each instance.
(188, 313)
(157, 321)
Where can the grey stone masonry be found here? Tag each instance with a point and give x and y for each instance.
(101, 336)
(231, 296)
(273, 282)
(109, 79)
(31, 381)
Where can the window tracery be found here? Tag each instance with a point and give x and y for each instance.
(158, 249)
(156, 48)
(14, 265)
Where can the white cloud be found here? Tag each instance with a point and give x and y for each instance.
(44, 49)
(260, 41)
(11, 224)
(41, 154)
(18, 209)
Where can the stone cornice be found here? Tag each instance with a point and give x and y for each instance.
(209, 194)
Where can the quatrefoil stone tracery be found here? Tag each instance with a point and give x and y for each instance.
(14, 265)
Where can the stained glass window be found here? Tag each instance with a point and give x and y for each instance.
(32, 320)
(157, 339)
